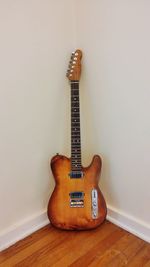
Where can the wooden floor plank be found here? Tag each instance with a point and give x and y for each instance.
(64, 250)
(141, 258)
(117, 255)
(78, 250)
(99, 248)
(31, 248)
(147, 264)
(106, 246)
(19, 246)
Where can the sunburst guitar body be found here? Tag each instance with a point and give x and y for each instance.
(76, 202)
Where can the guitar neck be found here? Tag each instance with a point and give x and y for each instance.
(75, 127)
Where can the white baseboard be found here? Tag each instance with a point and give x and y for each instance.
(129, 223)
(23, 229)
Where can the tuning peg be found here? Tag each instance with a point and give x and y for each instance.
(73, 53)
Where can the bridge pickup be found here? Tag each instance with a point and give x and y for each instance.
(76, 174)
(76, 195)
(76, 199)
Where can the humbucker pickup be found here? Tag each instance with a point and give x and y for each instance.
(76, 174)
(76, 199)
(76, 195)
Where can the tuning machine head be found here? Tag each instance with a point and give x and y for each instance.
(74, 68)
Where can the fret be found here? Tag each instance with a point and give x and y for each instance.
(76, 166)
(75, 95)
(75, 105)
(75, 145)
(75, 115)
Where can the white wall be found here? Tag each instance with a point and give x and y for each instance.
(34, 44)
(36, 38)
(115, 38)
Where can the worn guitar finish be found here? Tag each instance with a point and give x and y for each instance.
(59, 211)
(76, 202)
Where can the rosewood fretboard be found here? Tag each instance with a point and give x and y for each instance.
(75, 127)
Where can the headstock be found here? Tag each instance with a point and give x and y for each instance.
(74, 70)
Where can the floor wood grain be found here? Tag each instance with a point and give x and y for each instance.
(106, 246)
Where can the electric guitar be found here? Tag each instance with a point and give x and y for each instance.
(76, 202)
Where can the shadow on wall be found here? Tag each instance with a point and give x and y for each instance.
(106, 182)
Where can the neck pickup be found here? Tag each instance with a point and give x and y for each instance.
(76, 174)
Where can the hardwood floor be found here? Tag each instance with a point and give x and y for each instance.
(106, 246)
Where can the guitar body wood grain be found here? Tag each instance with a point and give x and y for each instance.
(60, 214)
